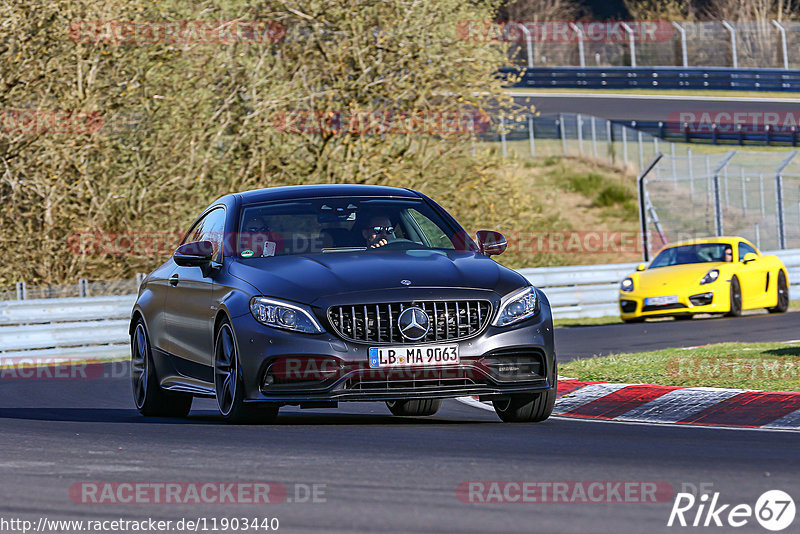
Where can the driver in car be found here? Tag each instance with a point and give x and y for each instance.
(378, 231)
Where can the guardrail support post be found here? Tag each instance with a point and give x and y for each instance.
(684, 55)
(22, 292)
(784, 48)
(579, 33)
(732, 31)
(640, 182)
(779, 199)
(83, 288)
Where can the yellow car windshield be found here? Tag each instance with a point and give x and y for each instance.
(684, 254)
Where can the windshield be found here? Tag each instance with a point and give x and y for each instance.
(336, 224)
(700, 253)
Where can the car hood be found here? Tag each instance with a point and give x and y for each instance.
(307, 278)
(656, 281)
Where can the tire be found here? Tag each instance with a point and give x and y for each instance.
(149, 398)
(528, 408)
(685, 317)
(416, 407)
(783, 295)
(736, 299)
(229, 386)
(634, 320)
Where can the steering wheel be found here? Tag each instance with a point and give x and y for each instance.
(397, 243)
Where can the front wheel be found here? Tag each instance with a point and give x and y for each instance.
(527, 408)
(416, 407)
(229, 386)
(736, 298)
(150, 399)
(783, 295)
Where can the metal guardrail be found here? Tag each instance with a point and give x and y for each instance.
(716, 134)
(721, 78)
(97, 327)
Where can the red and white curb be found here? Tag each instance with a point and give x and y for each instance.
(647, 403)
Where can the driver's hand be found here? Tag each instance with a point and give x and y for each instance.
(378, 244)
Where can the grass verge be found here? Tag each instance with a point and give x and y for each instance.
(760, 366)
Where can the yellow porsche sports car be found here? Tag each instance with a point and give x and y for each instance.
(712, 275)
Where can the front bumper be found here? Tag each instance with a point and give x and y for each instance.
(692, 300)
(326, 368)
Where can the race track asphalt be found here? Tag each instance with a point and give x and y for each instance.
(382, 473)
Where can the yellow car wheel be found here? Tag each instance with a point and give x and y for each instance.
(736, 298)
(783, 295)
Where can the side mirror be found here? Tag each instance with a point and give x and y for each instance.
(197, 254)
(491, 243)
(750, 256)
(641, 267)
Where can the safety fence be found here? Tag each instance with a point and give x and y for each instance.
(751, 194)
(718, 133)
(96, 328)
(742, 44)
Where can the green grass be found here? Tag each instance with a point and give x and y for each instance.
(760, 366)
(588, 321)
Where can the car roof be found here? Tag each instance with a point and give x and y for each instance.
(323, 190)
(725, 240)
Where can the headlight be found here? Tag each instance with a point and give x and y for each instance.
(517, 306)
(626, 285)
(284, 315)
(711, 276)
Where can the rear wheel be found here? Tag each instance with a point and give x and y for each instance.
(736, 298)
(527, 408)
(148, 396)
(783, 295)
(634, 320)
(416, 407)
(684, 317)
(229, 386)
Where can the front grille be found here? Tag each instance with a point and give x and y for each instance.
(413, 379)
(628, 306)
(675, 306)
(450, 320)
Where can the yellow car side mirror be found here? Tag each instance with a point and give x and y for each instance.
(750, 256)
(641, 267)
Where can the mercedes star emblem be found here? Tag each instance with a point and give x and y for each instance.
(413, 323)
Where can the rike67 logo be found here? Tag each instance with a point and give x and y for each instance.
(774, 510)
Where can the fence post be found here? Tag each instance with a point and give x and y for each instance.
(561, 133)
(140, 279)
(640, 181)
(779, 199)
(744, 193)
(758, 237)
(632, 41)
(674, 173)
(530, 137)
(683, 43)
(22, 291)
(610, 141)
(83, 288)
(594, 138)
(625, 144)
(718, 227)
(761, 186)
(732, 31)
(579, 125)
(503, 135)
(579, 33)
(471, 135)
(528, 43)
(784, 48)
(641, 151)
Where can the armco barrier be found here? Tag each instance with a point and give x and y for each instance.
(96, 327)
(722, 78)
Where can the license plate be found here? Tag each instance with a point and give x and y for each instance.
(661, 301)
(415, 356)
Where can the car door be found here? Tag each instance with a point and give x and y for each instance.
(752, 277)
(188, 309)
